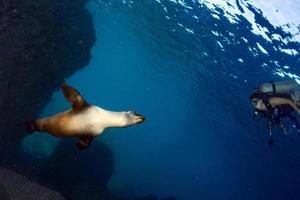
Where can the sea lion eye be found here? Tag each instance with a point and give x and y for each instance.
(130, 113)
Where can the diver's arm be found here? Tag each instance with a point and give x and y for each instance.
(275, 101)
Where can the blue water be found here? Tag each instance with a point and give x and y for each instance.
(199, 140)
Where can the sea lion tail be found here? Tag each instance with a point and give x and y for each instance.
(31, 126)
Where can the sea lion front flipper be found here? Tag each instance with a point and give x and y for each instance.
(73, 96)
(84, 142)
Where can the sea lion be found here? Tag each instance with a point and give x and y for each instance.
(84, 121)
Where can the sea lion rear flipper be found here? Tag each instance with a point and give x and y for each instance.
(31, 126)
(84, 142)
(73, 96)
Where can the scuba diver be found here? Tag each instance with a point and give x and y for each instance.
(276, 101)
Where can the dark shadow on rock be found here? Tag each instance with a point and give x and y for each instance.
(76, 174)
(79, 174)
(15, 186)
(3, 193)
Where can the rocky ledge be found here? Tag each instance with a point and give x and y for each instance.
(14, 186)
(42, 42)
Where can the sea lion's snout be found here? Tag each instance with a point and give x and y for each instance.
(135, 118)
(140, 118)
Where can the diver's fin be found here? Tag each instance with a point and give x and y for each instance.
(73, 96)
(271, 142)
(84, 142)
(31, 126)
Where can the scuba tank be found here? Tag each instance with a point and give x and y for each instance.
(279, 87)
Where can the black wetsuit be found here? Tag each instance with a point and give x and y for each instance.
(280, 112)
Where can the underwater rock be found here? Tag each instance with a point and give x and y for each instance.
(76, 174)
(14, 186)
(42, 43)
(82, 174)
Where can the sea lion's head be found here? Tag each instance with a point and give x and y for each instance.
(133, 118)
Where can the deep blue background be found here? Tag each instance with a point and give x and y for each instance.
(199, 140)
